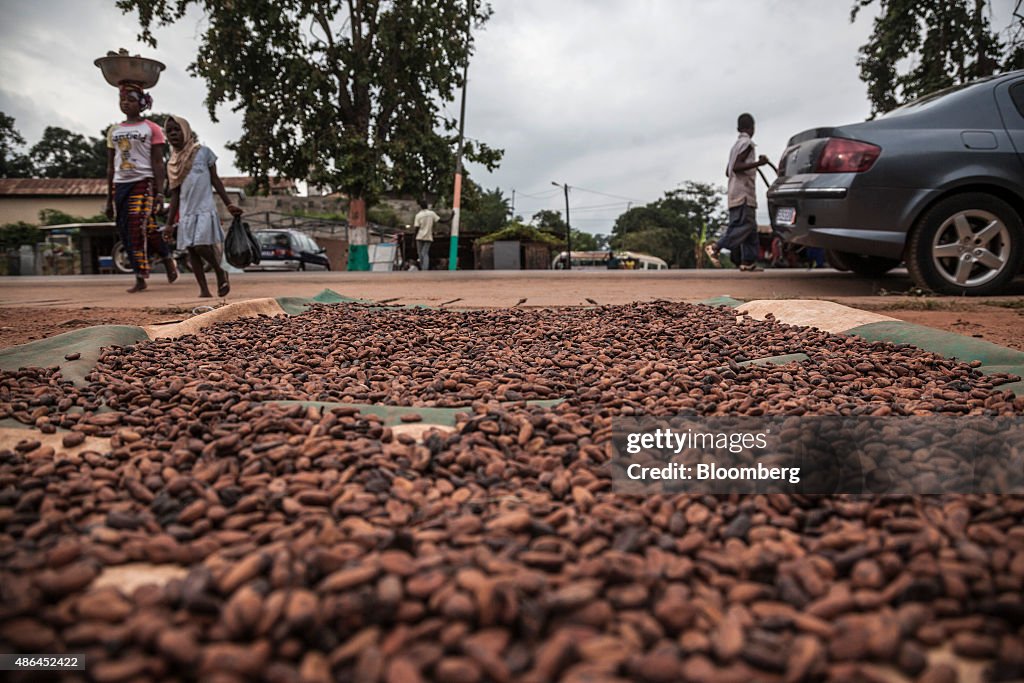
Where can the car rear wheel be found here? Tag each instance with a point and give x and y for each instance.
(966, 244)
(868, 266)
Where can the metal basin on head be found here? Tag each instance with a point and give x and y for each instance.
(119, 68)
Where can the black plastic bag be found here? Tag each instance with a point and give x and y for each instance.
(240, 248)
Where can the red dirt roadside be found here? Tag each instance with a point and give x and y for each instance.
(33, 308)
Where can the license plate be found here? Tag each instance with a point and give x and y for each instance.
(785, 215)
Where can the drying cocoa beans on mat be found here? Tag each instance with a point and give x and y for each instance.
(222, 537)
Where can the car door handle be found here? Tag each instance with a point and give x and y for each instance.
(979, 139)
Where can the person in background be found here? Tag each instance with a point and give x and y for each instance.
(742, 172)
(424, 223)
(135, 182)
(192, 177)
(815, 257)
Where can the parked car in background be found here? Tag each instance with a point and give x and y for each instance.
(289, 250)
(937, 184)
(599, 260)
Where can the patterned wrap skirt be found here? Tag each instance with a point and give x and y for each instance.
(136, 224)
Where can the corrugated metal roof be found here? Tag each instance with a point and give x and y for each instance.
(89, 187)
(49, 187)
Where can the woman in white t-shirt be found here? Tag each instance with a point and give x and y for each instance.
(135, 181)
(192, 177)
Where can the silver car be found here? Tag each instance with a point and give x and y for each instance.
(937, 184)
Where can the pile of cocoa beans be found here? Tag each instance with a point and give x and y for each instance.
(301, 544)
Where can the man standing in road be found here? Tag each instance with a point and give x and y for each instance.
(424, 222)
(742, 173)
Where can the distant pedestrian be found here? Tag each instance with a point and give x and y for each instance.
(192, 177)
(135, 182)
(741, 234)
(424, 223)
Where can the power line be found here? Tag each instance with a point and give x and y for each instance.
(541, 195)
(614, 196)
(598, 207)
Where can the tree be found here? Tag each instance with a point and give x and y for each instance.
(346, 95)
(484, 210)
(673, 227)
(63, 154)
(552, 222)
(549, 220)
(584, 241)
(13, 164)
(655, 241)
(13, 235)
(941, 42)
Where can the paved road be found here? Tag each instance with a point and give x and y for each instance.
(462, 288)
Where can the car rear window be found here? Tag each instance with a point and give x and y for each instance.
(1017, 93)
(935, 98)
(272, 239)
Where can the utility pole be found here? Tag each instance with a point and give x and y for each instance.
(453, 250)
(512, 217)
(568, 226)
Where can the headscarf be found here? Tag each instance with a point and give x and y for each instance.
(181, 159)
(145, 99)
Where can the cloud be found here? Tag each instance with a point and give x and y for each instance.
(625, 98)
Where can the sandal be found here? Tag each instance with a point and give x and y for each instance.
(223, 287)
(140, 285)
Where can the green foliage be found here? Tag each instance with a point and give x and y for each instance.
(13, 164)
(584, 241)
(58, 217)
(675, 226)
(656, 241)
(549, 220)
(382, 214)
(63, 154)
(346, 95)
(942, 42)
(13, 235)
(523, 233)
(483, 210)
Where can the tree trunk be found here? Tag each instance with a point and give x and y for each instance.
(358, 235)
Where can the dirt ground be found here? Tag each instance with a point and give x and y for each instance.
(23, 325)
(999, 324)
(33, 308)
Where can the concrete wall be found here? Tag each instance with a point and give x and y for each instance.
(289, 204)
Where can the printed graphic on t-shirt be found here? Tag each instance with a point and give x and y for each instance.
(125, 147)
(133, 145)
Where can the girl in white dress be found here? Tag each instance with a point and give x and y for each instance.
(192, 177)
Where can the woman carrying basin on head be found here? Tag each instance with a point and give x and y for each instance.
(192, 177)
(135, 179)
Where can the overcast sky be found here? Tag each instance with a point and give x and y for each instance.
(621, 97)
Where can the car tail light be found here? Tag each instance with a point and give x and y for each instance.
(283, 253)
(846, 156)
